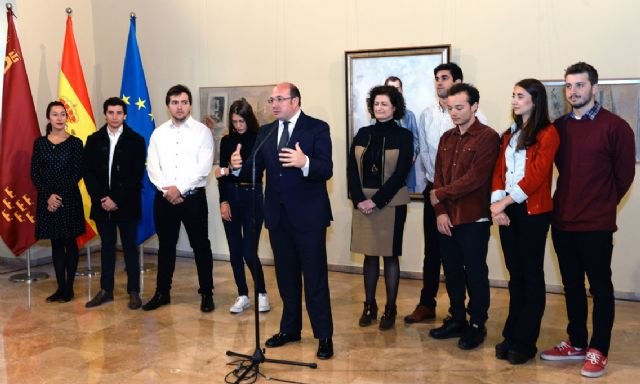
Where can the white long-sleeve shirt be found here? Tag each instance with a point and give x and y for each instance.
(180, 156)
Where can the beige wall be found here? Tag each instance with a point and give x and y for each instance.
(242, 42)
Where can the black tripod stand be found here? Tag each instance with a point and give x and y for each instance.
(248, 368)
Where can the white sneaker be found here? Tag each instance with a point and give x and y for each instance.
(242, 303)
(263, 302)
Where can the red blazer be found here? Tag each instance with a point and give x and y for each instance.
(538, 170)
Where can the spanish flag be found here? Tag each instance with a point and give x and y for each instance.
(80, 123)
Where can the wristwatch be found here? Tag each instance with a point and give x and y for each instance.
(223, 172)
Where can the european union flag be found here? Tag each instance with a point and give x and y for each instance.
(139, 117)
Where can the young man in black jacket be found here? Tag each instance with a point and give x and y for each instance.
(114, 163)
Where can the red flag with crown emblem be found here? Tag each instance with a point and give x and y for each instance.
(18, 130)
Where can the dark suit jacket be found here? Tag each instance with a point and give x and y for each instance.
(127, 170)
(305, 199)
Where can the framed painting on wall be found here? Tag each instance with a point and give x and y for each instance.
(215, 103)
(620, 96)
(413, 66)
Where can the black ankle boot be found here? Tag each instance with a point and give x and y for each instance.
(388, 319)
(369, 314)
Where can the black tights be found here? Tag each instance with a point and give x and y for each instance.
(65, 262)
(371, 269)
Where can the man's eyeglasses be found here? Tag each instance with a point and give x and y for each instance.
(278, 99)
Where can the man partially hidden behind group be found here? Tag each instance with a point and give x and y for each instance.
(179, 161)
(114, 160)
(295, 151)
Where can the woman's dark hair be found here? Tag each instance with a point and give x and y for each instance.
(52, 104)
(394, 96)
(539, 117)
(243, 108)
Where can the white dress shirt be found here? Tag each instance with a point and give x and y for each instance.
(180, 155)
(515, 160)
(113, 140)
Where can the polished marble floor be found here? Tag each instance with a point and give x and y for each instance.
(67, 343)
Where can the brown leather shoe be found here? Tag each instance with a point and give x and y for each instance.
(421, 313)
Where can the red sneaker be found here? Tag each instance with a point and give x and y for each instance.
(595, 363)
(563, 351)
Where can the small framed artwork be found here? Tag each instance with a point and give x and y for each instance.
(414, 67)
(215, 103)
(620, 96)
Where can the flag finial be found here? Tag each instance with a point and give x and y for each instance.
(132, 14)
(69, 11)
(9, 6)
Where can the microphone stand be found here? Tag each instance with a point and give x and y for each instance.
(249, 363)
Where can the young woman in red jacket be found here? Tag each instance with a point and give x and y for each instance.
(521, 205)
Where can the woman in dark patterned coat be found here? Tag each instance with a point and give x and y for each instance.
(56, 171)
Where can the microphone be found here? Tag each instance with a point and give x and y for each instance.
(254, 153)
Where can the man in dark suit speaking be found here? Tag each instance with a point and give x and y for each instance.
(295, 151)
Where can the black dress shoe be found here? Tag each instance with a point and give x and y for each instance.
(449, 329)
(517, 356)
(100, 298)
(502, 350)
(325, 348)
(55, 297)
(206, 304)
(66, 297)
(281, 338)
(134, 300)
(472, 337)
(157, 301)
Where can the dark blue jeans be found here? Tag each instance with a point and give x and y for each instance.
(589, 253)
(108, 236)
(243, 235)
(464, 258)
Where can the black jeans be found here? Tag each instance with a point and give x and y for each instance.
(243, 235)
(523, 244)
(464, 258)
(589, 253)
(108, 236)
(193, 213)
(432, 259)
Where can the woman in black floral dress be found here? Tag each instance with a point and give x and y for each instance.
(55, 171)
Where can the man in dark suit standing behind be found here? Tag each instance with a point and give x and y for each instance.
(295, 151)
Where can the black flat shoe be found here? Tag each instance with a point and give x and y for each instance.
(281, 338)
(517, 357)
(157, 301)
(55, 297)
(472, 337)
(206, 304)
(325, 348)
(101, 297)
(502, 350)
(134, 300)
(449, 329)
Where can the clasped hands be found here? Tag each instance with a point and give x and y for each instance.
(497, 213)
(366, 207)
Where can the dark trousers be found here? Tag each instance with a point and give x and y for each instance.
(464, 258)
(193, 213)
(432, 260)
(243, 235)
(523, 244)
(64, 253)
(297, 254)
(108, 236)
(589, 253)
